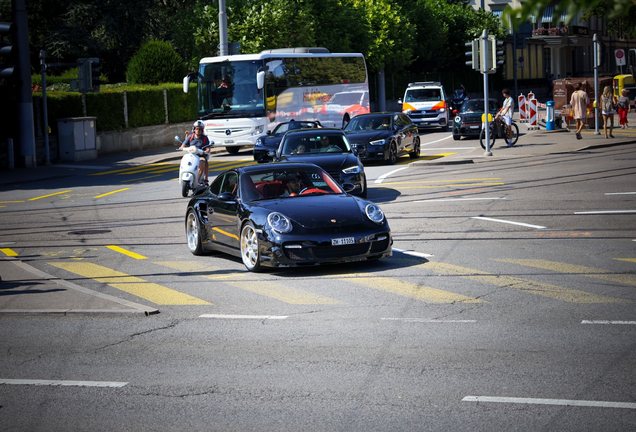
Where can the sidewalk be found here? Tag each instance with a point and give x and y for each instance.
(27, 290)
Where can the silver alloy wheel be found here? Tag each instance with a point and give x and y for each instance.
(249, 247)
(193, 234)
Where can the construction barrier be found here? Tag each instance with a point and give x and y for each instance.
(532, 113)
(523, 118)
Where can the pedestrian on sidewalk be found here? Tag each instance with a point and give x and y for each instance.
(624, 108)
(579, 101)
(608, 102)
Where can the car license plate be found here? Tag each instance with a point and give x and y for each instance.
(229, 141)
(342, 241)
(424, 123)
(475, 127)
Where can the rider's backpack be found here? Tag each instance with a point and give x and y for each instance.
(608, 105)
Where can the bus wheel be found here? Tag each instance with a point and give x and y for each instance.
(233, 150)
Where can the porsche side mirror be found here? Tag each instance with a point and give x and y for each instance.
(226, 197)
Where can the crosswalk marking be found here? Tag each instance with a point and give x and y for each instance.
(574, 269)
(538, 288)
(411, 290)
(133, 285)
(270, 289)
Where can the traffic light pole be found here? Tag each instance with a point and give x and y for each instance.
(26, 134)
(596, 66)
(483, 60)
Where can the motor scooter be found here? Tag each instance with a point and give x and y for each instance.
(189, 167)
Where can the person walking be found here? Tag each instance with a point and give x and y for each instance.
(579, 101)
(624, 108)
(608, 102)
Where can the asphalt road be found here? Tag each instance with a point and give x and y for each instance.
(507, 305)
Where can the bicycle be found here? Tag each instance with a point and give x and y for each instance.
(498, 129)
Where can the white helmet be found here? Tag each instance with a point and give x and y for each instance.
(198, 123)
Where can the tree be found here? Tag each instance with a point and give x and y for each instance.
(611, 9)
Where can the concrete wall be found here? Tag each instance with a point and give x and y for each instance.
(140, 138)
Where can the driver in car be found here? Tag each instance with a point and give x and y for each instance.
(292, 188)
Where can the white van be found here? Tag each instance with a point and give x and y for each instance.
(427, 104)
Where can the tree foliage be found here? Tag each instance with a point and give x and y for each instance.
(156, 62)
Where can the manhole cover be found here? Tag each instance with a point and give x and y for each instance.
(89, 232)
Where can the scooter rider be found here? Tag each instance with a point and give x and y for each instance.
(199, 140)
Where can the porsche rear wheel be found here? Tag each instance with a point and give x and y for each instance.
(193, 233)
(250, 253)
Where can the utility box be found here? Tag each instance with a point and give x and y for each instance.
(77, 138)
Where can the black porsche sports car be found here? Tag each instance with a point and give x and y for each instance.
(285, 214)
(266, 146)
(467, 121)
(383, 136)
(328, 148)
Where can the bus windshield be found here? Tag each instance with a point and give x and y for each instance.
(228, 89)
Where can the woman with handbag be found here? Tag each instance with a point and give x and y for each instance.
(624, 107)
(608, 101)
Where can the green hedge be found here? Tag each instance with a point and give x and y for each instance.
(145, 105)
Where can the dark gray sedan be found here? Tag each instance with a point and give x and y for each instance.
(383, 136)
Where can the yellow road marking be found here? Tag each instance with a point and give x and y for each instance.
(8, 252)
(448, 185)
(126, 252)
(411, 290)
(139, 287)
(130, 169)
(538, 288)
(283, 293)
(576, 269)
(626, 259)
(50, 195)
(110, 193)
(140, 178)
(10, 202)
(443, 181)
(270, 289)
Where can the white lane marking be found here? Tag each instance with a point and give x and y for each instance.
(383, 176)
(423, 320)
(608, 322)
(259, 317)
(535, 401)
(509, 222)
(451, 148)
(606, 212)
(413, 253)
(621, 193)
(436, 141)
(460, 199)
(63, 383)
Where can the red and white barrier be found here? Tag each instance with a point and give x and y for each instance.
(532, 113)
(522, 109)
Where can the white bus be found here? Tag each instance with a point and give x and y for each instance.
(241, 97)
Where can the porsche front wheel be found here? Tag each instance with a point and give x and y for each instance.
(250, 253)
(193, 233)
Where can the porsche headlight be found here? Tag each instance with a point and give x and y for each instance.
(279, 222)
(377, 142)
(352, 170)
(374, 213)
(259, 142)
(458, 119)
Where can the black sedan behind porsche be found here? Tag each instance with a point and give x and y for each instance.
(467, 121)
(285, 214)
(266, 146)
(383, 136)
(328, 148)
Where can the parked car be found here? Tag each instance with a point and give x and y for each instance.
(467, 121)
(383, 136)
(251, 212)
(328, 148)
(266, 146)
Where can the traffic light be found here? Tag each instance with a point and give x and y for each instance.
(7, 51)
(94, 82)
(473, 54)
(500, 53)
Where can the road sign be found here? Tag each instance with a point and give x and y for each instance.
(620, 57)
(521, 62)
